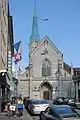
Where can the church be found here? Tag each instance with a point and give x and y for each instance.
(47, 75)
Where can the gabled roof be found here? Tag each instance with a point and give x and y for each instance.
(46, 38)
(76, 69)
(67, 67)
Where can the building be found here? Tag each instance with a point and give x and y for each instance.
(6, 41)
(47, 76)
(76, 80)
(3, 33)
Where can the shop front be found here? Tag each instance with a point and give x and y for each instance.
(4, 90)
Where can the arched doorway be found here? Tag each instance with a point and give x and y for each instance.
(46, 91)
(46, 95)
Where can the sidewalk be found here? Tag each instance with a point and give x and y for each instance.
(26, 116)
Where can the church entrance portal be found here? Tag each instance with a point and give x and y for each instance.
(46, 95)
(46, 91)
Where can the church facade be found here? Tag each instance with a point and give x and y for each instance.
(47, 76)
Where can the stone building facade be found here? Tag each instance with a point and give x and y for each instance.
(76, 80)
(5, 33)
(47, 76)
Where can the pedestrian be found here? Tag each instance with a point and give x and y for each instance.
(24, 101)
(6, 108)
(13, 108)
(20, 107)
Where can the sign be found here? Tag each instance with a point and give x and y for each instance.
(12, 107)
(13, 84)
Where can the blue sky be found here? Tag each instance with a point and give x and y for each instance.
(63, 26)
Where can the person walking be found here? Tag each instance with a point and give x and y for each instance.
(12, 109)
(20, 107)
(6, 110)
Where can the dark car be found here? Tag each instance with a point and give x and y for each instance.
(70, 101)
(59, 112)
(58, 100)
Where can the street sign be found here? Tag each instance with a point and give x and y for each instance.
(13, 84)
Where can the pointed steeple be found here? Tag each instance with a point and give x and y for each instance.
(34, 34)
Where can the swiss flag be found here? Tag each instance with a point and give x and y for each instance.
(17, 57)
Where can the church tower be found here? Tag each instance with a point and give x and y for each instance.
(34, 38)
(34, 41)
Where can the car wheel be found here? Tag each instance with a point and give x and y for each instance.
(31, 111)
(40, 117)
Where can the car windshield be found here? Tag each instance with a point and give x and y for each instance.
(66, 99)
(64, 110)
(40, 102)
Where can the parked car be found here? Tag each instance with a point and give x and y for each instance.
(50, 102)
(27, 103)
(36, 106)
(58, 100)
(59, 112)
(70, 101)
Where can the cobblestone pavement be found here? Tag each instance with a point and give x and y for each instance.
(35, 117)
(26, 116)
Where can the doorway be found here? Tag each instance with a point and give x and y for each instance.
(46, 91)
(46, 95)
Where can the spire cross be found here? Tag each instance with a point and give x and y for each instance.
(34, 34)
(34, 14)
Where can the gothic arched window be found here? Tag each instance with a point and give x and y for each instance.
(46, 68)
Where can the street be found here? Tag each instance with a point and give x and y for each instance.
(27, 116)
(36, 117)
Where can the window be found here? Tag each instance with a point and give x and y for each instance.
(65, 74)
(45, 51)
(46, 68)
(27, 75)
(46, 42)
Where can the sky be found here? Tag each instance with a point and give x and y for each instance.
(62, 27)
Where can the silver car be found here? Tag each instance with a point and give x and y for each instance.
(36, 106)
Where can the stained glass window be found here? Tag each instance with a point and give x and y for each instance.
(46, 68)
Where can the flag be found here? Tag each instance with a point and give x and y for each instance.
(17, 46)
(45, 19)
(17, 55)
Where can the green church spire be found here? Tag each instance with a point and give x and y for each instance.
(34, 34)
(34, 12)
